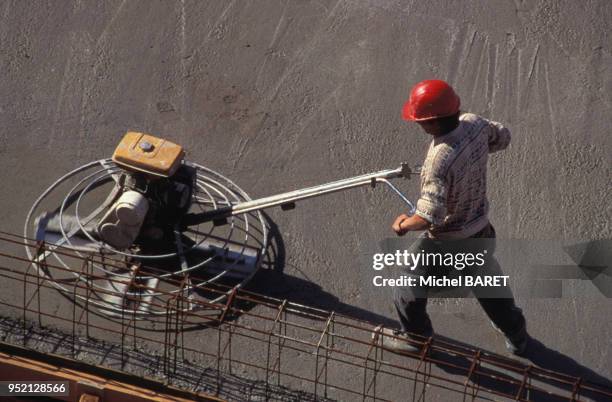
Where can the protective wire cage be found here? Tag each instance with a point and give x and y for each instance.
(121, 282)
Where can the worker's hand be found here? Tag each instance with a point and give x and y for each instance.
(397, 228)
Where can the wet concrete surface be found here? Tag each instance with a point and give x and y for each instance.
(279, 95)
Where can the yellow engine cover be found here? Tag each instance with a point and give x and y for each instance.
(149, 154)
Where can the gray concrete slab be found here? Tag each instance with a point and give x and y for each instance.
(283, 94)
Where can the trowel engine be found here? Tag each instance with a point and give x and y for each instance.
(153, 191)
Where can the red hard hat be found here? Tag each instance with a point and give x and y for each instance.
(430, 99)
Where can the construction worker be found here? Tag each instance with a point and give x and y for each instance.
(452, 206)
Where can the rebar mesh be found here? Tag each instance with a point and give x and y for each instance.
(268, 343)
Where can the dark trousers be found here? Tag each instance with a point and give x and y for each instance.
(411, 302)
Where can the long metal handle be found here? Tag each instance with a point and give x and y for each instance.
(288, 199)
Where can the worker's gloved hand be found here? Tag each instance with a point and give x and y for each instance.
(397, 225)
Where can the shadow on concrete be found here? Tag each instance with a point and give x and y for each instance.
(508, 382)
(302, 291)
(542, 356)
(273, 282)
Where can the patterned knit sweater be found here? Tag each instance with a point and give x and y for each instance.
(454, 177)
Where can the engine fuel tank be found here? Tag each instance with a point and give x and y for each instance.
(148, 154)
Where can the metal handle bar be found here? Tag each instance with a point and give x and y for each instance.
(287, 200)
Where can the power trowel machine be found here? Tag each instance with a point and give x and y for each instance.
(148, 205)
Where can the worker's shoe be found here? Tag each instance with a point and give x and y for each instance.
(399, 341)
(517, 342)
